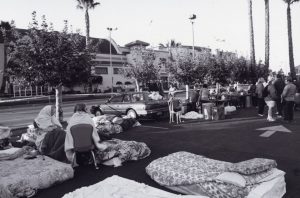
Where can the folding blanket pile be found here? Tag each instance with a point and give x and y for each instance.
(195, 174)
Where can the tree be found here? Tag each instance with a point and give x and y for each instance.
(267, 33)
(86, 5)
(290, 38)
(142, 67)
(188, 70)
(43, 56)
(252, 48)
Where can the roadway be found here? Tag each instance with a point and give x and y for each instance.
(23, 115)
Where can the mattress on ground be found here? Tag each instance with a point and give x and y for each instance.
(119, 187)
(194, 174)
(22, 178)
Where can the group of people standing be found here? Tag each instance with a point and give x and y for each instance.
(276, 93)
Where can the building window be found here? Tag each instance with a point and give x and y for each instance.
(117, 70)
(101, 70)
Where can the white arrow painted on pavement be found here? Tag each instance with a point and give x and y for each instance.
(273, 129)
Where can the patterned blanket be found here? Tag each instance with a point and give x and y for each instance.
(184, 169)
(123, 150)
(22, 178)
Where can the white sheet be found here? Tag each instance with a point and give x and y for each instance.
(118, 187)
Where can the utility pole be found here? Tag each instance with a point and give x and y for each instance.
(110, 58)
(192, 19)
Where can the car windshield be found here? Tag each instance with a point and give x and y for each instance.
(117, 98)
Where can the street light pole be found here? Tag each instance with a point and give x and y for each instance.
(110, 58)
(192, 18)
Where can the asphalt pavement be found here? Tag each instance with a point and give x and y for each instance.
(18, 116)
(239, 137)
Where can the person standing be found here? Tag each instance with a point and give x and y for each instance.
(203, 96)
(194, 97)
(279, 86)
(288, 96)
(252, 92)
(271, 98)
(260, 99)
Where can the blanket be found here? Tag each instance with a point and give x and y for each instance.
(53, 145)
(22, 178)
(11, 153)
(186, 169)
(119, 187)
(123, 150)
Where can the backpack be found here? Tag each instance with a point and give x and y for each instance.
(265, 92)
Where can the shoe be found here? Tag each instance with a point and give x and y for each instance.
(261, 115)
(279, 116)
(277, 113)
(271, 120)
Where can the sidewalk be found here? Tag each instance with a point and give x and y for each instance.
(51, 99)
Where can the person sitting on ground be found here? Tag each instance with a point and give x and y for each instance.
(46, 119)
(50, 134)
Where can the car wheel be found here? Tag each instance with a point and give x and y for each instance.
(131, 113)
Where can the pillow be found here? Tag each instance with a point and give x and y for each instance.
(252, 166)
(232, 178)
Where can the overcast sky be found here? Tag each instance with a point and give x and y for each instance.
(220, 24)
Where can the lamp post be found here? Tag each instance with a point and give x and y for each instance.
(192, 19)
(110, 59)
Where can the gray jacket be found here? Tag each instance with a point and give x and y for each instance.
(289, 92)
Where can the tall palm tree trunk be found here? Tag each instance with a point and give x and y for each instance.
(87, 28)
(290, 40)
(267, 34)
(252, 49)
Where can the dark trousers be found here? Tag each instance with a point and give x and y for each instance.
(279, 106)
(261, 105)
(254, 101)
(288, 109)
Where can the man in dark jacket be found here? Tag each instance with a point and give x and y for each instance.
(279, 86)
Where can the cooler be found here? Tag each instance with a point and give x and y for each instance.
(207, 110)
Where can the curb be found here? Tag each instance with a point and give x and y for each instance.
(51, 99)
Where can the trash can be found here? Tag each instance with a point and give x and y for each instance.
(184, 107)
(248, 101)
(207, 110)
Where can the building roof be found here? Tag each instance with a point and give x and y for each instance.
(137, 42)
(198, 48)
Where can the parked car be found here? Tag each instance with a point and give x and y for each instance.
(134, 104)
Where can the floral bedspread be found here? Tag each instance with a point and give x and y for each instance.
(184, 169)
(22, 178)
(124, 150)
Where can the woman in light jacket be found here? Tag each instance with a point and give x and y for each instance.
(271, 98)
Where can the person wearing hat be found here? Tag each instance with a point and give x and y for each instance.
(288, 96)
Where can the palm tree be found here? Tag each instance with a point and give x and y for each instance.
(267, 34)
(86, 5)
(290, 38)
(252, 49)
